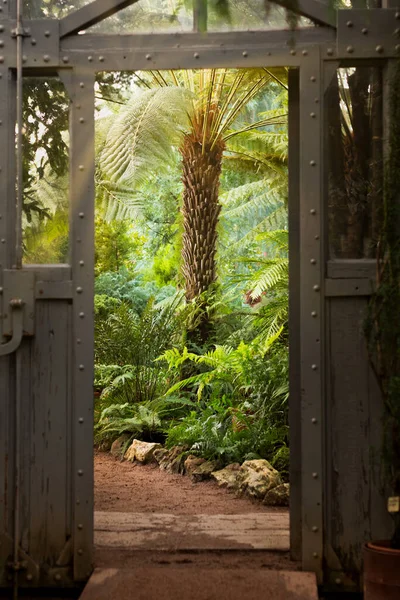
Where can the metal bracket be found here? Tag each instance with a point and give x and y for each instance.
(41, 43)
(18, 284)
(368, 32)
(25, 564)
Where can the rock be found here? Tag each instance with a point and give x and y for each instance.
(173, 461)
(159, 454)
(204, 471)
(118, 445)
(278, 496)
(141, 451)
(228, 477)
(257, 477)
(191, 463)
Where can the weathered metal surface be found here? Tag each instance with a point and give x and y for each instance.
(351, 269)
(82, 263)
(354, 505)
(89, 15)
(367, 33)
(349, 287)
(18, 284)
(199, 584)
(311, 312)
(294, 316)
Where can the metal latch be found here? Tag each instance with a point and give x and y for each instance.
(18, 314)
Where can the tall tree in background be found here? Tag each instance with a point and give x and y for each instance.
(198, 113)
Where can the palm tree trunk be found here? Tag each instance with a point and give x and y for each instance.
(201, 171)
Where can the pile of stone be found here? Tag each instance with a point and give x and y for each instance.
(256, 479)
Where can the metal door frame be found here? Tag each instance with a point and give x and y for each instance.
(53, 47)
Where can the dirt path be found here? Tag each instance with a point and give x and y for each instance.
(126, 487)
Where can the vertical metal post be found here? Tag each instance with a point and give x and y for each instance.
(311, 311)
(294, 317)
(82, 262)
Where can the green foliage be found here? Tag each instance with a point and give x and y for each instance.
(116, 245)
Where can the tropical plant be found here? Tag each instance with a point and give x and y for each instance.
(197, 113)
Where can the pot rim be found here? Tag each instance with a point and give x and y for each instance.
(382, 546)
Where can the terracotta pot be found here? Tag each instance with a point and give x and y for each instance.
(381, 571)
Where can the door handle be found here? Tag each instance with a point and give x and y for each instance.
(17, 331)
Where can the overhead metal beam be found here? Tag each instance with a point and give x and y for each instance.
(320, 13)
(90, 15)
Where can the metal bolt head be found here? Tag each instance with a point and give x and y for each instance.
(81, 315)
(313, 314)
(196, 55)
(316, 288)
(315, 554)
(314, 421)
(80, 526)
(81, 367)
(305, 52)
(314, 528)
(1, 28)
(65, 59)
(1, 59)
(148, 56)
(364, 31)
(313, 261)
(80, 420)
(81, 120)
(80, 472)
(1, 43)
(47, 33)
(349, 24)
(312, 163)
(313, 78)
(244, 53)
(46, 58)
(315, 475)
(101, 58)
(90, 58)
(79, 290)
(379, 49)
(81, 215)
(293, 52)
(80, 551)
(329, 51)
(314, 367)
(57, 577)
(397, 16)
(313, 115)
(33, 42)
(397, 48)
(81, 167)
(81, 263)
(350, 49)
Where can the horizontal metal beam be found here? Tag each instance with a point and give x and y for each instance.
(366, 33)
(320, 13)
(90, 15)
(351, 269)
(193, 50)
(348, 287)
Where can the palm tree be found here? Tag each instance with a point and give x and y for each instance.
(197, 113)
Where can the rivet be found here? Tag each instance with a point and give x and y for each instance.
(364, 31)
(315, 554)
(305, 52)
(313, 314)
(81, 315)
(80, 526)
(81, 167)
(81, 367)
(81, 215)
(379, 49)
(57, 577)
(314, 421)
(316, 237)
(316, 100)
(313, 115)
(81, 263)
(81, 120)
(24, 58)
(1, 290)
(33, 42)
(80, 419)
(29, 576)
(313, 261)
(293, 52)
(80, 551)
(47, 33)
(349, 24)
(329, 51)
(46, 57)
(3, 241)
(79, 290)
(312, 163)
(78, 340)
(81, 84)
(1, 59)
(338, 581)
(315, 475)
(244, 53)
(397, 48)
(148, 56)
(314, 367)
(1, 44)
(90, 58)
(101, 58)
(80, 472)
(1, 122)
(196, 55)
(78, 502)
(313, 78)
(314, 528)
(313, 211)
(316, 288)
(350, 49)
(397, 16)
(1, 28)
(397, 31)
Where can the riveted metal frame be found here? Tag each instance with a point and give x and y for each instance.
(82, 263)
(52, 46)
